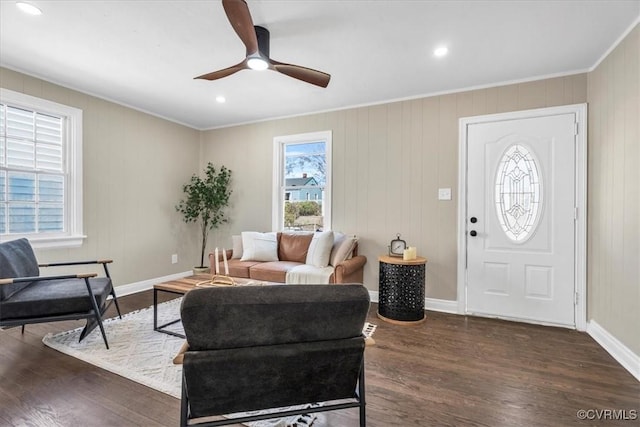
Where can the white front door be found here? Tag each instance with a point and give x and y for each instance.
(520, 218)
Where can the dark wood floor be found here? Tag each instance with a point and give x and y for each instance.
(449, 371)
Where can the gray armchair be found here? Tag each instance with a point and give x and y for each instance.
(263, 347)
(26, 297)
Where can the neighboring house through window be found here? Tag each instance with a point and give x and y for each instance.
(302, 182)
(40, 171)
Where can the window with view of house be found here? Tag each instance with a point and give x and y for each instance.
(40, 171)
(302, 182)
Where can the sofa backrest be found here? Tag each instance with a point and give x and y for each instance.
(294, 246)
(16, 260)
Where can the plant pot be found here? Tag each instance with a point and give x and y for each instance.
(200, 270)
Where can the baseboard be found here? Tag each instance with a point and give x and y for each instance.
(432, 304)
(145, 285)
(627, 358)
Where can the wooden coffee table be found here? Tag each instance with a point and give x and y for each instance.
(181, 287)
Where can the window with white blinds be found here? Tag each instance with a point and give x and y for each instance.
(39, 188)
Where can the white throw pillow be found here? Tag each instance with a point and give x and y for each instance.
(320, 249)
(342, 247)
(259, 246)
(237, 246)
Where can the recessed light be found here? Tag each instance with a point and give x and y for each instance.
(221, 99)
(28, 8)
(441, 51)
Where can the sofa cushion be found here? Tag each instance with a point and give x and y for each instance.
(342, 248)
(239, 268)
(320, 249)
(293, 246)
(259, 246)
(272, 271)
(237, 246)
(55, 297)
(16, 260)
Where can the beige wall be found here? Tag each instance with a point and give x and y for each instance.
(134, 166)
(388, 163)
(613, 273)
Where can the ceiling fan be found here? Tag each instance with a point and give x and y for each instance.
(256, 40)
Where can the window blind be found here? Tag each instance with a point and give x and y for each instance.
(32, 171)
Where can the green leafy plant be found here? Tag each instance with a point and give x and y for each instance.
(205, 201)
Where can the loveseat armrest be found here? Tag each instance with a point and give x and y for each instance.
(351, 270)
(42, 279)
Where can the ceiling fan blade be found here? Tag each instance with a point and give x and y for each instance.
(215, 75)
(305, 74)
(240, 18)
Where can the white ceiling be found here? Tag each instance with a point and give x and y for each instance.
(144, 54)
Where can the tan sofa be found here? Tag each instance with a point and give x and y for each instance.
(292, 251)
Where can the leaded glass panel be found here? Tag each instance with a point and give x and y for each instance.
(518, 193)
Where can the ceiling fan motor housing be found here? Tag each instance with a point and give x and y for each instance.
(263, 40)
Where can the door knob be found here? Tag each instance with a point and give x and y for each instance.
(473, 220)
(473, 233)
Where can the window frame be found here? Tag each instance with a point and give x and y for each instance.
(279, 180)
(73, 235)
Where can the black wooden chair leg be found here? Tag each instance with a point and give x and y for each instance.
(97, 319)
(22, 329)
(115, 300)
(113, 291)
(184, 405)
(363, 416)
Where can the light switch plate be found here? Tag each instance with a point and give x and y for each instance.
(444, 194)
(174, 259)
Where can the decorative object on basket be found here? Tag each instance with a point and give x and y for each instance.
(410, 253)
(397, 246)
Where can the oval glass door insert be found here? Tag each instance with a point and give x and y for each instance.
(518, 193)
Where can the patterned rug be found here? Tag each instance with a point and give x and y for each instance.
(144, 356)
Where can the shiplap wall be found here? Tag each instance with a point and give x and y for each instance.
(613, 273)
(388, 162)
(134, 166)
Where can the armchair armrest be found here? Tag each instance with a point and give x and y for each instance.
(179, 358)
(58, 264)
(42, 279)
(104, 263)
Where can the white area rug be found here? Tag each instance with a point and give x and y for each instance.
(140, 354)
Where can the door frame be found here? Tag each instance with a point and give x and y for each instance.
(580, 239)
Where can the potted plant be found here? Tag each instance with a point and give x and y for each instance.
(205, 201)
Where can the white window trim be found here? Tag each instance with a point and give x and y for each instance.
(278, 177)
(73, 236)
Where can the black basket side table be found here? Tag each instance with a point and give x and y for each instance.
(401, 290)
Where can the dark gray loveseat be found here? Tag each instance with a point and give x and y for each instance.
(26, 297)
(258, 347)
